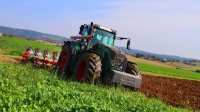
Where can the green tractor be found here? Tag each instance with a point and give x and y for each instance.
(92, 57)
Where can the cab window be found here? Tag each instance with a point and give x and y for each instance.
(104, 37)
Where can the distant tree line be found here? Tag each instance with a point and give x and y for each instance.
(154, 58)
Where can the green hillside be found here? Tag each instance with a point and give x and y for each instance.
(24, 88)
(16, 46)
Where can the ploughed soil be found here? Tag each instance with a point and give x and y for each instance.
(177, 92)
(9, 59)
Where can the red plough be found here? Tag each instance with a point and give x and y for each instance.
(39, 59)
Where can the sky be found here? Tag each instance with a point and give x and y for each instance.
(159, 26)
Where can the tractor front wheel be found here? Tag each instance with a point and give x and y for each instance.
(88, 68)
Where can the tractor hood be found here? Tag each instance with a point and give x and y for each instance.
(117, 52)
(118, 58)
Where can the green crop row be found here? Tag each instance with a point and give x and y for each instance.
(24, 88)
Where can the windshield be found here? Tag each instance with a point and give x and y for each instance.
(104, 37)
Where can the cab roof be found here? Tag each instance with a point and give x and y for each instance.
(105, 28)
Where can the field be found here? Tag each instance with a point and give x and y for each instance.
(16, 46)
(177, 92)
(167, 70)
(25, 88)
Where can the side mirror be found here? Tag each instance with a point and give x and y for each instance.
(90, 29)
(128, 44)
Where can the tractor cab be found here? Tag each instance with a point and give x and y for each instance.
(100, 34)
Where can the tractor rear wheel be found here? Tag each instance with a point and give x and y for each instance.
(63, 61)
(132, 69)
(88, 68)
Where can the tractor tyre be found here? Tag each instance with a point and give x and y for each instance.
(63, 62)
(88, 68)
(132, 68)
